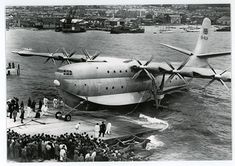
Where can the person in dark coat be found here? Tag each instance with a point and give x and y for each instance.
(37, 114)
(24, 155)
(11, 107)
(17, 150)
(40, 105)
(29, 102)
(102, 129)
(33, 105)
(22, 111)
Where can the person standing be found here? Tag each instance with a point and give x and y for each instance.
(40, 105)
(88, 157)
(45, 101)
(14, 114)
(93, 155)
(55, 103)
(22, 111)
(29, 102)
(102, 129)
(63, 154)
(81, 158)
(33, 105)
(96, 130)
(108, 128)
(11, 107)
(29, 111)
(24, 155)
(77, 127)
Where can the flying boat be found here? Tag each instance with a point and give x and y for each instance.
(114, 81)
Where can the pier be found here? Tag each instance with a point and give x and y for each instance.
(122, 126)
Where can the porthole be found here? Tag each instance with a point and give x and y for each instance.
(85, 84)
(113, 87)
(108, 71)
(114, 71)
(126, 71)
(120, 71)
(96, 67)
(106, 88)
(121, 86)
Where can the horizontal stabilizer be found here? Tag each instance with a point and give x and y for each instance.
(213, 54)
(184, 51)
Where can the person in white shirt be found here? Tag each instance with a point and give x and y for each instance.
(88, 157)
(96, 130)
(77, 127)
(55, 102)
(93, 155)
(63, 154)
(108, 128)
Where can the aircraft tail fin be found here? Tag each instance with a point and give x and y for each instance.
(203, 38)
(201, 46)
(198, 58)
(201, 54)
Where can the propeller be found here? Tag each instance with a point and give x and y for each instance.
(68, 55)
(51, 56)
(175, 71)
(90, 57)
(142, 69)
(217, 77)
(157, 91)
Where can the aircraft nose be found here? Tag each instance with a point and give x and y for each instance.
(57, 83)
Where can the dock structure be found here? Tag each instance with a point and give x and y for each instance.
(122, 126)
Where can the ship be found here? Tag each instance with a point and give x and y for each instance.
(224, 29)
(71, 26)
(126, 29)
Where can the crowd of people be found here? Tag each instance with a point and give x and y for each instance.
(14, 109)
(64, 148)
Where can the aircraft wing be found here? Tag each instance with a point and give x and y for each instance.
(56, 56)
(205, 73)
(29, 53)
(212, 55)
(194, 72)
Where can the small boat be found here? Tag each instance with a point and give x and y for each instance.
(192, 29)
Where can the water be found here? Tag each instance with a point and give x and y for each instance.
(199, 125)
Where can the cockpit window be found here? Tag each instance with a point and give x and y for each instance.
(68, 72)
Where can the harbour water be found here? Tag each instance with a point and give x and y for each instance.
(199, 124)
